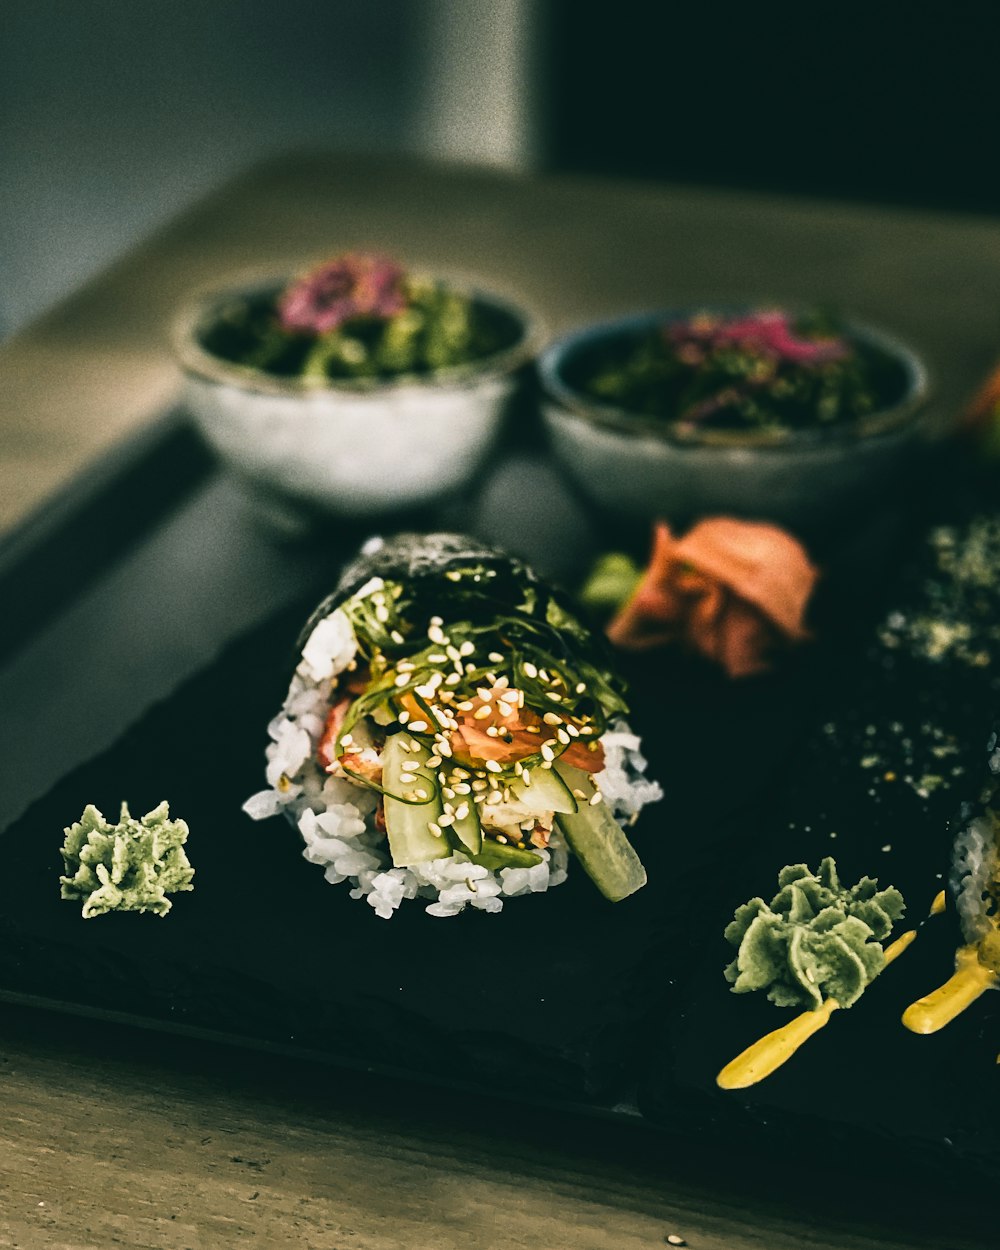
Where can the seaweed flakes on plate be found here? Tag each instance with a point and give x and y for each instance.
(453, 733)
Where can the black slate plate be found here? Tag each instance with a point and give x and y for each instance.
(546, 994)
(562, 998)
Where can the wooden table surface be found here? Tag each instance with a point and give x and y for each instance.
(111, 1136)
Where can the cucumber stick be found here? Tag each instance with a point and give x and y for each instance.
(466, 832)
(411, 840)
(545, 792)
(598, 842)
(495, 855)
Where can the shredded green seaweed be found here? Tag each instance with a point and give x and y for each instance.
(129, 866)
(544, 650)
(816, 939)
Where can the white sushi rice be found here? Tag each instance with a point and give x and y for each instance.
(972, 871)
(335, 816)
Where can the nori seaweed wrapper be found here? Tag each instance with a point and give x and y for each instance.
(505, 584)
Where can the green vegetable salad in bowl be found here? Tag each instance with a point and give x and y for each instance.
(355, 388)
(760, 413)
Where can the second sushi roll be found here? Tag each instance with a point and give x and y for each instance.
(453, 733)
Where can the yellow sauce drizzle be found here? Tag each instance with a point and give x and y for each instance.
(939, 1008)
(770, 1052)
(939, 904)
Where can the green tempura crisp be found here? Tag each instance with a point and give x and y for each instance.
(130, 866)
(612, 581)
(816, 939)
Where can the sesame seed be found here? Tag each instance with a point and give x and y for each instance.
(595, 798)
(478, 784)
(551, 694)
(581, 687)
(495, 657)
(447, 792)
(420, 793)
(444, 747)
(433, 761)
(467, 648)
(396, 637)
(407, 779)
(453, 679)
(436, 658)
(419, 726)
(434, 828)
(454, 575)
(484, 694)
(563, 737)
(552, 718)
(493, 767)
(529, 669)
(572, 731)
(502, 682)
(452, 653)
(436, 634)
(465, 706)
(402, 679)
(436, 620)
(403, 717)
(674, 1240)
(481, 713)
(382, 614)
(446, 820)
(547, 752)
(501, 838)
(461, 811)
(492, 731)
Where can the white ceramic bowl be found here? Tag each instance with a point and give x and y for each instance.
(355, 448)
(637, 467)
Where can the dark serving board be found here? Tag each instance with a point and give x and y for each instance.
(155, 674)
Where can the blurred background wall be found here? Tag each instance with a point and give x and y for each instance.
(114, 114)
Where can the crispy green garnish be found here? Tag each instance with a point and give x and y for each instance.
(129, 866)
(816, 939)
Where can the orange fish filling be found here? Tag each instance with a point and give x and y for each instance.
(518, 731)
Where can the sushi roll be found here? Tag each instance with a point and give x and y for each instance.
(452, 733)
(975, 887)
